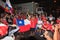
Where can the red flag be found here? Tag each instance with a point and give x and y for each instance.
(24, 28)
(3, 29)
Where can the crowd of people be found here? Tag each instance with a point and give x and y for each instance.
(39, 24)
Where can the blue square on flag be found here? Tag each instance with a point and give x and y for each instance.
(20, 22)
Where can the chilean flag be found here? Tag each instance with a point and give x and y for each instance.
(8, 7)
(3, 29)
(24, 25)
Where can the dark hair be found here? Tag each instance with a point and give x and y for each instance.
(50, 33)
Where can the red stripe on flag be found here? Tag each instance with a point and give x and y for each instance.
(24, 28)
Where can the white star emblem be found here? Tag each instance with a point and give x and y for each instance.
(20, 22)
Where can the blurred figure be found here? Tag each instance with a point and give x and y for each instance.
(48, 35)
(9, 19)
(33, 21)
(50, 18)
(43, 17)
(58, 20)
(4, 20)
(39, 22)
(3, 29)
(47, 25)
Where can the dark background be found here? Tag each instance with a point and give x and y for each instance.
(51, 6)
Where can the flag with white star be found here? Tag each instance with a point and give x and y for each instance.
(20, 22)
(24, 25)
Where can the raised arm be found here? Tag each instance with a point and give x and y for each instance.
(46, 35)
(55, 37)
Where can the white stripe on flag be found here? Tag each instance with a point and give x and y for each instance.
(9, 4)
(2, 24)
(26, 22)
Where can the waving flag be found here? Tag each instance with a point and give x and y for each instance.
(8, 6)
(20, 22)
(24, 25)
(8, 3)
(3, 29)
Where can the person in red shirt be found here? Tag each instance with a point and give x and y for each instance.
(3, 29)
(16, 17)
(33, 21)
(58, 20)
(47, 25)
(56, 35)
(22, 15)
(4, 20)
(43, 17)
(14, 20)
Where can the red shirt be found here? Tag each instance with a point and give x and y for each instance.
(43, 18)
(33, 22)
(14, 20)
(58, 21)
(47, 26)
(4, 21)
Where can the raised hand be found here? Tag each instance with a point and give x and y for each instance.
(47, 36)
